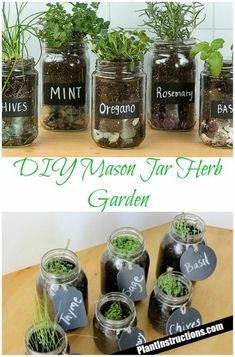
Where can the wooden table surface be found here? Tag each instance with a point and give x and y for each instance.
(156, 144)
(212, 297)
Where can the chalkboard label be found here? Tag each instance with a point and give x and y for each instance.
(118, 110)
(20, 107)
(179, 321)
(64, 94)
(133, 337)
(198, 264)
(70, 309)
(131, 282)
(222, 110)
(173, 93)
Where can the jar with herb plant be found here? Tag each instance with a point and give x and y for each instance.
(125, 264)
(45, 336)
(65, 66)
(66, 286)
(114, 314)
(216, 95)
(186, 230)
(172, 290)
(171, 71)
(19, 78)
(118, 86)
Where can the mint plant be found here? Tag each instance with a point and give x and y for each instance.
(210, 52)
(172, 21)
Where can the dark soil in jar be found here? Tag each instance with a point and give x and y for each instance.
(213, 130)
(118, 133)
(169, 70)
(107, 339)
(21, 87)
(109, 271)
(40, 348)
(71, 70)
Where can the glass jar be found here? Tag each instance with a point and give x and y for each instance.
(173, 245)
(216, 107)
(65, 86)
(118, 119)
(161, 305)
(114, 260)
(50, 283)
(62, 341)
(19, 102)
(171, 86)
(107, 332)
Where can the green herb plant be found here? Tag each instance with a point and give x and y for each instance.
(114, 312)
(126, 245)
(171, 285)
(186, 229)
(15, 36)
(121, 46)
(57, 26)
(58, 266)
(211, 53)
(172, 21)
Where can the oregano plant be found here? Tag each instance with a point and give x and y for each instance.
(211, 53)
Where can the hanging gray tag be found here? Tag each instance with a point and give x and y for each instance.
(131, 282)
(179, 322)
(70, 309)
(199, 263)
(132, 338)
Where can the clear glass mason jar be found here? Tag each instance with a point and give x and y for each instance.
(19, 102)
(216, 107)
(65, 87)
(173, 245)
(51, 282)
(62, 341)
(171, 86)
(118, 118)
(161, 305)
(107, 332)
(113, 260)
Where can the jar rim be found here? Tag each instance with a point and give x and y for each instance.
(80, 44)
(60, 253)
(108, 66)
(19, 63)
(227, 64)
(126, 231)
(177, 43)
(191, 238)
(64, 340)
(174, 300)
(115, 324)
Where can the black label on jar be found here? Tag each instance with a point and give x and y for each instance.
(131, 338)
(64, 94)
(70, 309)
(173, 93)
(222, 110)
(198, 262)
(20, 107)
(131, 282)
(183, 320)
(118, 110)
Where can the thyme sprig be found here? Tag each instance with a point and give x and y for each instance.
(114, 312)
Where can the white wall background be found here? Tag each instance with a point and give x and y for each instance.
(27, 236)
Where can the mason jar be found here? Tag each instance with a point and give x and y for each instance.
(19, 102)
(133, 257)
(216, 107)
(162, 305)
(118, 115)
(55, 284)
(107, 332)
(65, 88)
(175, 243)
(171, 86)
(31, 338)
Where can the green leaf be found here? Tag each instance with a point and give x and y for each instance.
(202, 46)
(205, 53)
(216, 63)
(217, 43)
